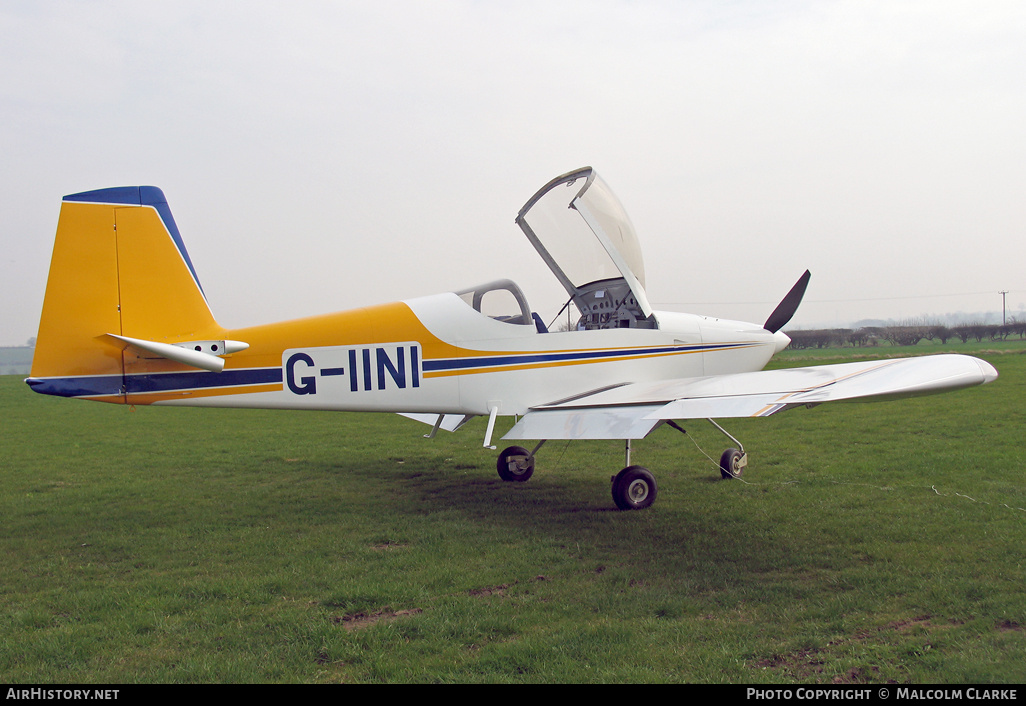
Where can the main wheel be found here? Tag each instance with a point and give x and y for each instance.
(515, 464)
(634, 488)
(730, 464)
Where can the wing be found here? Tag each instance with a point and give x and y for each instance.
(631, 411)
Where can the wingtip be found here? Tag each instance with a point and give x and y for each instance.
(990, 373)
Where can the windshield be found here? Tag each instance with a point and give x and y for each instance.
(585, 236)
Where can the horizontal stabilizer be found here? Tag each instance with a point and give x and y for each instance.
(196, 354)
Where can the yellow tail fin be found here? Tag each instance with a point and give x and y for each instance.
(119, 267)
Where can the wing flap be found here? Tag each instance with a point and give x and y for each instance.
(630, 422)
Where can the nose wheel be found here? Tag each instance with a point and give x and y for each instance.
(732, 463)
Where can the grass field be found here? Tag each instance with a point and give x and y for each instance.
(866, 543)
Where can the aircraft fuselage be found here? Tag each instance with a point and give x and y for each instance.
(436, 354)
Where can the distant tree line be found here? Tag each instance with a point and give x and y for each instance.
(906, 334)
(16, 360)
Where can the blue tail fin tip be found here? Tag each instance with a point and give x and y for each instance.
(128, 195)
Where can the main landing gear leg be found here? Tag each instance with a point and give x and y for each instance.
(634, 488)
(517, 463)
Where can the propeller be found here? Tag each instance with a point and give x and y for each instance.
(788, 305)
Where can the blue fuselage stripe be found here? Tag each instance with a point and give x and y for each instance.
(108, 385)
(168, 382)
(449, 364)
(82, 386)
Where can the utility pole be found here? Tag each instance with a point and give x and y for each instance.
(1003, 321)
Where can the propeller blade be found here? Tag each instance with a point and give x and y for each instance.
(788, 305)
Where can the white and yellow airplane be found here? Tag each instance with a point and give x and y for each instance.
(125, 320)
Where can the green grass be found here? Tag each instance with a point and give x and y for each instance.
(866, 543)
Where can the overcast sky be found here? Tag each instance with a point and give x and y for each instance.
(323, 155)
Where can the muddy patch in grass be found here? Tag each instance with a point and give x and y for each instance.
(361, 620)
(811, 664)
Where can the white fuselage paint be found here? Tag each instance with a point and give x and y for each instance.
(509, 366)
